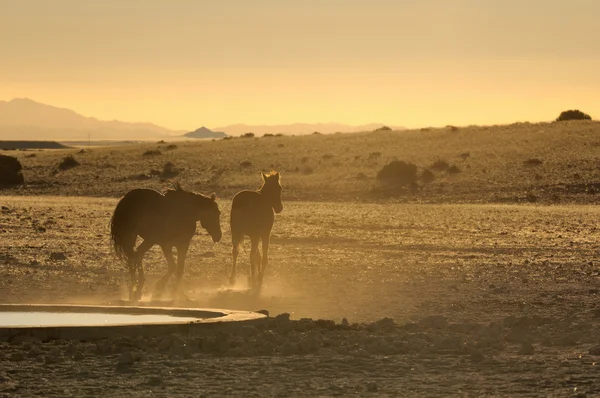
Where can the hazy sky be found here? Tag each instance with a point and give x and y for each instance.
(187, 63)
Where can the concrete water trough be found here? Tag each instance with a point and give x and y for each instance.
(89, 322)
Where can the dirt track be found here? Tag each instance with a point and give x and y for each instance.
(496, 300)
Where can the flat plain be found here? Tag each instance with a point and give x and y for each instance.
(480, 283)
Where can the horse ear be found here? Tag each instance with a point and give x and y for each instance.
(264, 176)
(213, 196)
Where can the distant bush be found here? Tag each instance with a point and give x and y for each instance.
(398, 172)
(227, 138)
(152, 152)
(533, 162)
(465, 156)
(382, 128)
(246, 163)
(453, 170)
(316, 133)
(374, 155)
(10, 171)
(427, 176)
(170, 147)
(268, 135)
(440, 165)
(452, 128)
(169, 170)
(247, 135)
(68, 162)
(327, 156)
(573, 114)
(279, 135)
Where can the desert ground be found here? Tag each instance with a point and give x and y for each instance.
(482, 282)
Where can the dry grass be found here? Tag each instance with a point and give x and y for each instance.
(344, 166)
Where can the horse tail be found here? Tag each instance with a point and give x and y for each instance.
(121, 229)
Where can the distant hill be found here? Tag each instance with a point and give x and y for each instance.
(25, 119)
(203, 132)
(31, 145)
(300, 128)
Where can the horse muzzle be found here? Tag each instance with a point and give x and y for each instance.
(278, 209)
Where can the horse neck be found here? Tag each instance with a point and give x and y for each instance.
(265, 196)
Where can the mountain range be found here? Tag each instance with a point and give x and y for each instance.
(300, 128)
(25, 119)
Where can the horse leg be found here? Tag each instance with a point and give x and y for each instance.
(160, 285)
(132, 266)
(139, 255)
(265, 257)
(182, 250)
(234, 253)
(254, 259)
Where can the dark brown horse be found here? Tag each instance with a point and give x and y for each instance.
(252, 216)
(167, 220)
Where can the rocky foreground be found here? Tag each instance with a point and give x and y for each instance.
(282, 357)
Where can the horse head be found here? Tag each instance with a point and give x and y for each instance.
(272, 190)
(210, 216)
(199, 207)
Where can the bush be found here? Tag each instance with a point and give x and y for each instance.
(268, 135)
(170, 147)
(533, 162)
(573, 114)
(247, 135)
(152, 152)
(440, 165)
(10, 171)
(68, 162)
(382, 128)
(453, 170)
(427, 176)
(169, 170)
(246, 163)
(398, 172)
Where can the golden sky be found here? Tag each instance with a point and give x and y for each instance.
(187, 63)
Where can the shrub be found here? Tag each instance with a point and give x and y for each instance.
(453, 170)
(268, 135)
(440, 165)
(427, 176)
(152, 152)
(68, 162)
(382, 128)
(170, 147)
(398, 172)
(248, 135)
(227, 138)
(573, 114)
(327, 156)
(533, 162)
(246, 163)
(10, 171)
(169, 170)
(374, 155)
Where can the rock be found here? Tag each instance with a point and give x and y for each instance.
(58, 256)
(372, 387)
(126, 358)
(595, 350)
(17, 356)
(154, 381)
(526, 349)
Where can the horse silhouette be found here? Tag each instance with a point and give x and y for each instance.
(252, 216)
(168, 220)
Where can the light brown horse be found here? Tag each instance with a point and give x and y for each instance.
(252, 216)
(168, 220)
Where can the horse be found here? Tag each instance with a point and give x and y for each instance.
(168, 220)
(252, 215)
